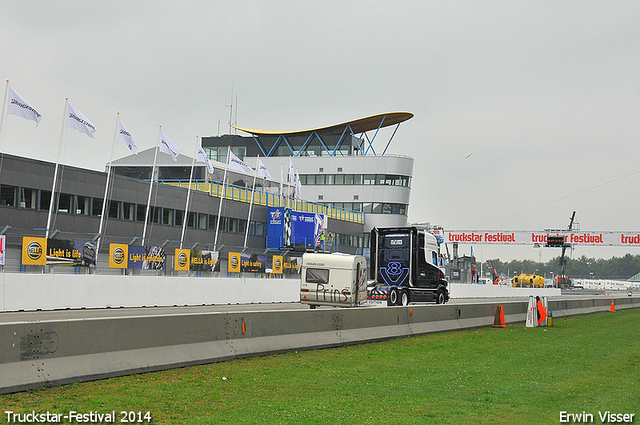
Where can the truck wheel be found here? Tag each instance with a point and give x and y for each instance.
(440, 297)
(312, 306)
(404, 298)
(393, 297)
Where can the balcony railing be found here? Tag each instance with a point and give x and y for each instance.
(267, 199)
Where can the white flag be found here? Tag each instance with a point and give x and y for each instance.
(262, 171)
(168, 147)
(76, 120)
(126, 138)
(291, 172)
(20, 107)
(202, 157)
(236, 163)
(298, 186)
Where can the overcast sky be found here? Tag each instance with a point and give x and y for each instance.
(524, 110)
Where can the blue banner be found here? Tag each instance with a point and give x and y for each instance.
(286, 228)
(146, 257)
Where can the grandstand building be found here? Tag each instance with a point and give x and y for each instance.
(344, 180)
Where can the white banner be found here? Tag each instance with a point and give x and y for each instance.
(236, 163)
(168, 147)
(76, 120)
(126, 138)
(20, 107)
(502, 237)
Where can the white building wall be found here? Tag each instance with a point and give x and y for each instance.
(388, 164)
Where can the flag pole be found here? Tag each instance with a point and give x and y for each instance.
(253, 191)
(106, 186)
(186, 207)
(63, 135)
(224, 194)
(5, 111)
(281, 166)
(153, 169)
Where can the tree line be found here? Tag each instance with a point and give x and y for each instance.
(620, 268)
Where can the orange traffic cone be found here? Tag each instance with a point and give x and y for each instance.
(499, 318)
(613, 307)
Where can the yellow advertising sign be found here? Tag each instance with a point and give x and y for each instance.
(278, 263)
(118, 254)
(182, 260)
(34, 251)
(234, 262)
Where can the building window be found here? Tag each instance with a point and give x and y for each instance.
(242, 226)
(83, 205)
(213, 222)
(113, 206)
(154, 215)
(128, 211)
(167, 216)
(191, 219)
(8, 195)
(45, 199)
(221, 153)
(179, 217)
(96, 207)
(257, 228)
(202, 221)
(28, 198)
(65, 203)
(141, 212)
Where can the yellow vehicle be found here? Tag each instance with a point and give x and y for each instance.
(528, 281)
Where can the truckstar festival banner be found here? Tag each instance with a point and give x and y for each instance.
(536, 237)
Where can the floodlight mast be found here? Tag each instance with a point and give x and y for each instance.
(564, 281)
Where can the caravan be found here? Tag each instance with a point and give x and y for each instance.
(333, 279)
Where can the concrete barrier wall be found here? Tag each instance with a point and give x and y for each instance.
(35, 354)
(25, 292)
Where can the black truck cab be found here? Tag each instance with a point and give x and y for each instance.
(404, 267)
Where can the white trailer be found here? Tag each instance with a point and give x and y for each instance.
(333, 279)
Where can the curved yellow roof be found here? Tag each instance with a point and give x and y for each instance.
(361, 125)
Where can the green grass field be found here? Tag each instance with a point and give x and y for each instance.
(512, 375)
